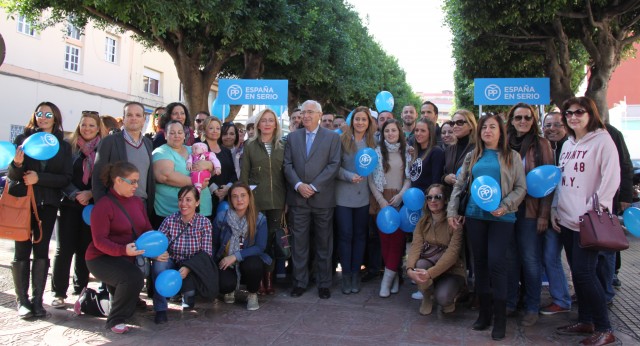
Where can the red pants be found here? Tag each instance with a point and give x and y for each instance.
(392, 247)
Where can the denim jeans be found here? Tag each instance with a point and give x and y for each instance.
(552, 261)
(592, 304)
(160, 302)
(606, 270)
(489, 242)
(352, 225)
(524, 253)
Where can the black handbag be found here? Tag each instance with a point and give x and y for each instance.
(463, 198)
(282, 249)
(601, 230)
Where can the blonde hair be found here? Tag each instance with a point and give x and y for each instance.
(102, 130)
(276, 133)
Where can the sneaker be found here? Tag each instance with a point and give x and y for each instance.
(553, 309)
(58, 303)
(120, 328)
(616, 282)
(529, 319)
(252, 302)
(416, 295)
(230, 298)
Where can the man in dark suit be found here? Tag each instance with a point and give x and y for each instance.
(311, 163)
(127, 145)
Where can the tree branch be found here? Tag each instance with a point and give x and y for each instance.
(592, 20)
(115, 21)
(631, 23)
(631, 39)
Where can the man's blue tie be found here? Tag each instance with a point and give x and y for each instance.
(310, 136)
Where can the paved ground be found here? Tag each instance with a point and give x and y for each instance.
(362, 318)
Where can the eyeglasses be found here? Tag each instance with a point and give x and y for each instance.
(556, 125)
(130, 182)
(47, 115)
(90, 112)
(433, 197)
(525, 117)
(578, 113)
(308, 112)
(453, 123)
(199, 120)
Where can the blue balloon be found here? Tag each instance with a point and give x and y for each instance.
(542, 180)
(413, 199)
(219, 109)
(41, 146)
(384, 102)
(485, 191)
(7, 153)
(366, 161)
(338, 131)
(224, 205)
(409, 219)
(388, 220)
(86, 214)
(631, 218)
(168, 283)
(153, 243)
(348, 120)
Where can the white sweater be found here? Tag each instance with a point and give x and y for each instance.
(590, 165)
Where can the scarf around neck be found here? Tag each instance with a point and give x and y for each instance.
(238, 231)
(88, 148)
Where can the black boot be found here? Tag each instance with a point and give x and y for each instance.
(39, 273)
(500, 322)
(20, 271)
(486, 313)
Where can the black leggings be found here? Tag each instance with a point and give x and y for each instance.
(23, 249)
(251, 271)
(73, 236)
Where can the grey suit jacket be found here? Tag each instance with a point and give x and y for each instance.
(319, 168)
(111, 150)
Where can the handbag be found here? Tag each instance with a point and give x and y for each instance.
(432, 253)
(15, 215)
(464, 197)
(601, 230)
(282, 250)
(140, 261)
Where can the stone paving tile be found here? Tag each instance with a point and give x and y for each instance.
(355, 319)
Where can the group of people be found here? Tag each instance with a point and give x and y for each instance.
(174, 179)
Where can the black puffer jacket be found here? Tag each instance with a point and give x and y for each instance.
(53, 174)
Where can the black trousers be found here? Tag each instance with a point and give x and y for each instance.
(124, 281)
(251, 271)
(73, 236)
(47, 214)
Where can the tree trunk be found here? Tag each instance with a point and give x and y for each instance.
(558, 65)
(597, 89)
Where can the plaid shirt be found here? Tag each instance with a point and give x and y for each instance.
(195, 238)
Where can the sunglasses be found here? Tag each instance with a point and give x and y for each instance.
(525, 117)
(90, 112)
(433, 197)
(47, 115)
(130, 182)
(158, 115)
(578, 113)
(199, 120)
(456, 122)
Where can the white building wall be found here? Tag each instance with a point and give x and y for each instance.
(33, 71)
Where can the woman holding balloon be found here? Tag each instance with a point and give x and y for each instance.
(189, 235)
(239, 240)
(42, 160)
(116, 222)
(588, 167)
(73, 234)
(490, 216)
(389, 182)
(352, 197)
(532, 217)
(262, 167)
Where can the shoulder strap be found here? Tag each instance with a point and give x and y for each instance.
(35, 208)
(133, 228)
